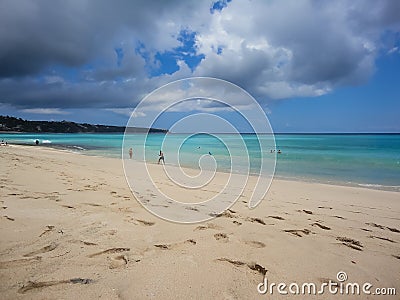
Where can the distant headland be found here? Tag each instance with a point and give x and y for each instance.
(12, 124)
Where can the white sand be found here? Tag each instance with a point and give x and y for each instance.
(67, 216)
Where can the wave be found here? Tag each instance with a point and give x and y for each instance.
(380, 186)
(72, 147)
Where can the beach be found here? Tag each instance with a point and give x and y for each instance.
(71, 227)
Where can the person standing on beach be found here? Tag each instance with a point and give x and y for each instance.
(161, 157)
(130, 153)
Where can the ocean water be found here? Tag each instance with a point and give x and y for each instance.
(370, 160)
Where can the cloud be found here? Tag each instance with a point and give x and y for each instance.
(126, 112)
(84, 54)
(44, 111)
(394, 50)
(307, 48)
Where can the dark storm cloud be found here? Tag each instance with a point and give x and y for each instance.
(36, 34)
(37, 37)
(59, 95)
(77, 53)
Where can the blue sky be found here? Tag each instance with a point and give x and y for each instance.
(312, 66)
(373, 106)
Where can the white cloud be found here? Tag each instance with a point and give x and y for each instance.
(284, 49)
(45, 111)
(394, 50)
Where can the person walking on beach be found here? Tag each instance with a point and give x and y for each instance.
(161, 157)
(130, 153)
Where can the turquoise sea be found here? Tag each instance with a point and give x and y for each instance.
(370, 160)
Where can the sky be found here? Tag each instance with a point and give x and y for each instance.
(312, 66)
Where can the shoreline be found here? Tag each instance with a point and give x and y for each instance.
(371, 186)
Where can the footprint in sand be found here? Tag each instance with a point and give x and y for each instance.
(192, 208)
(19, 262)
(383, 227)
(298, 232)
(393, 229)
(175, 245)
(351, 243)
(15, 194)
(255, 244)
(382, 238)
(110, 251)
(30, 285)
(321, 226)
(68, 206)
(47, 230)
(325, 207)
(276, 217)
(9, 218)
(118, 261)
(145, 223)
(225, 214)
(256, 220)
(88, 243)
(123, 209)
(45, 249)
(376, 225)
(54, 197)
(208, 226)
(222, 237)
(251, 265)
(93, 204)
(89, 187)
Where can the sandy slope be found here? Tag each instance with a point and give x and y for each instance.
(71, 228)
